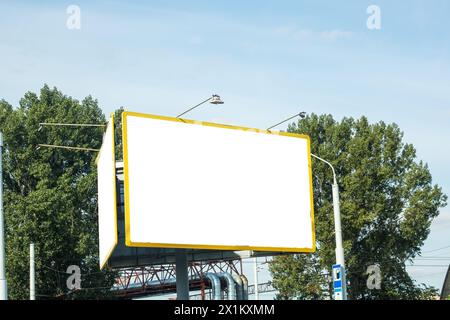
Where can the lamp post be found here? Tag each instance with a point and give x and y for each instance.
(3, 286)
(339, 251)
(214, 99)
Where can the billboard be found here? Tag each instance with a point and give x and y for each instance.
(201, 185)
(107, 208)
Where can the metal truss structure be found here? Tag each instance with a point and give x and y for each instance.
(161, 279)
(262, 288)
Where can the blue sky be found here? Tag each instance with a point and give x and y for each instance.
(267, 59)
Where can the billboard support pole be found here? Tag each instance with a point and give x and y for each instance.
(181, 271)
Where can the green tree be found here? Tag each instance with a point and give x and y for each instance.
(118, 132)
(50, 194)
(388, 202)
(298, 276)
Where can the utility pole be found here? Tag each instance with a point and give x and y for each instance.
(339, 251)
(3, 286)
(32, 274)
(255, 270)
(337, 225)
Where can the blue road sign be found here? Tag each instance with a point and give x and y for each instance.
(338, 277)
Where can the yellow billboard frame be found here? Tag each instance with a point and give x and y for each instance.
(128, 241)
(111, 119)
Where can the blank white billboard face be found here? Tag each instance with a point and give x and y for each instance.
(200, 185)
(107, 208)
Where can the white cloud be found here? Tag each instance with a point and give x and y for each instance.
(303, 34)
(335, 34)
(283, 30)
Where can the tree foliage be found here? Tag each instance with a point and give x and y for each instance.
(50, 194)
(298, 276)
(388, 202)
(118, 132)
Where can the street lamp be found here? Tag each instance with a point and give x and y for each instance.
(3, 287)
(339, 251)
(301, 115)
(214, 99)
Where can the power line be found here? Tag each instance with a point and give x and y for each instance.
(66, 147)
(428, 265)
(431, 259)
(64, 272)
(429, 274)
(71, 124)
(437, 249)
